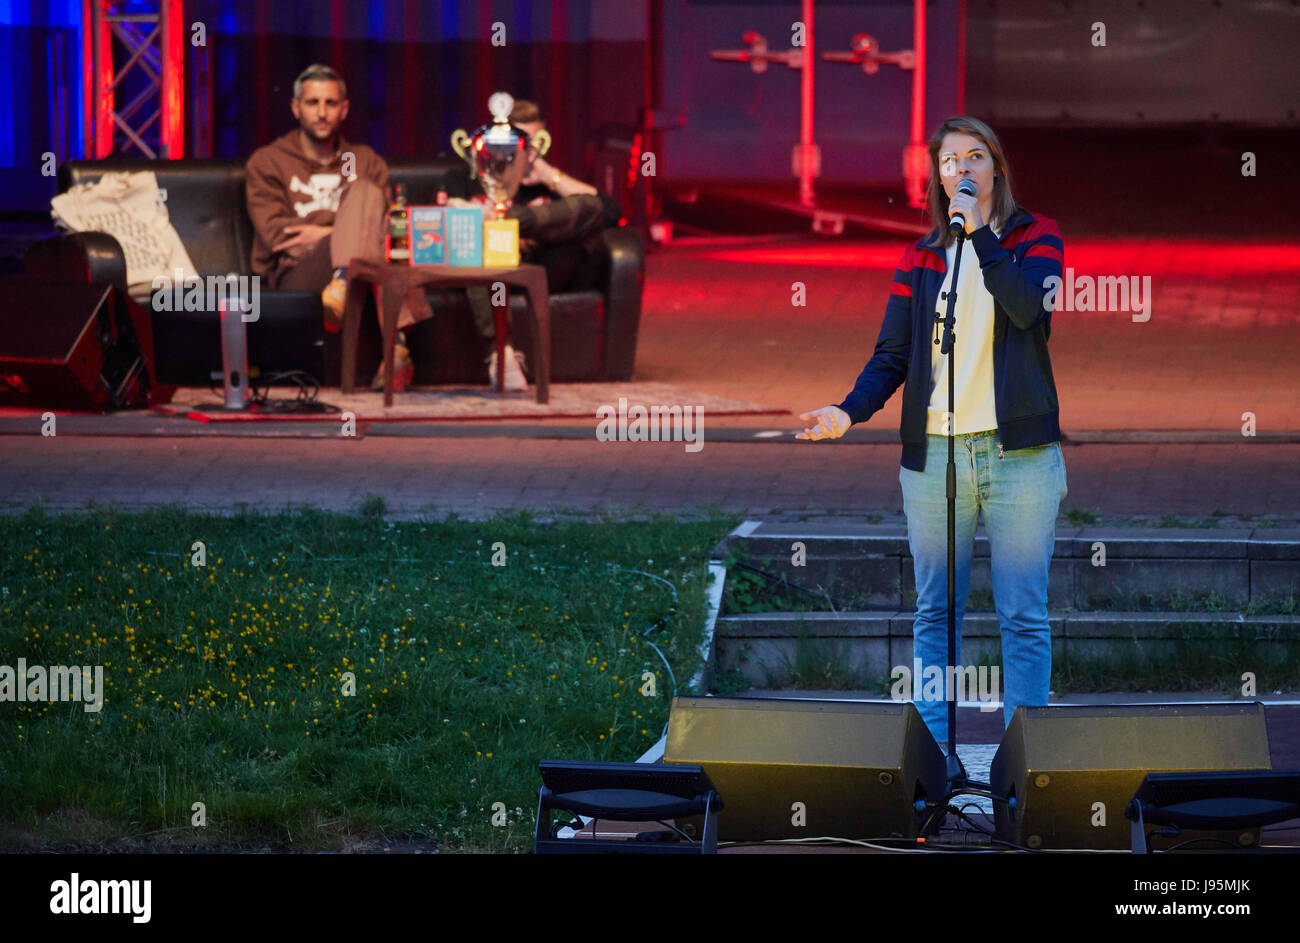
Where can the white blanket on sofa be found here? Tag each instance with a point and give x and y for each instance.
(131, 208)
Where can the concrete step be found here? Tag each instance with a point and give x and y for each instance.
(870, 566)
(770, 648)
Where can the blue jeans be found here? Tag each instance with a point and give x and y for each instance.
(1020, 492)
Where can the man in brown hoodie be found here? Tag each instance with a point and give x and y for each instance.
(316, 201)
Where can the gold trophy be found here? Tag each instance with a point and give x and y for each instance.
(499, 153)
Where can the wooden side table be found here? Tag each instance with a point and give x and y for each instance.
(401, 287)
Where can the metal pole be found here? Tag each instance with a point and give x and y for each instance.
(101, 77)
(807, 147)
(915, 159)
(961, 57)
(171, 133)
(918, 74)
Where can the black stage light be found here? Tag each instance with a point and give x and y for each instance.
(1225, 800)
(625, 792)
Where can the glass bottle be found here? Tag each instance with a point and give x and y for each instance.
(398, 230)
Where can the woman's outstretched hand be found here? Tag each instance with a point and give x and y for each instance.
(829, 422)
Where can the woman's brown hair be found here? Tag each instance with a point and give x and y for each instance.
(1003, 202)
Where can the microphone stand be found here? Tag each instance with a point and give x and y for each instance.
(957, 779)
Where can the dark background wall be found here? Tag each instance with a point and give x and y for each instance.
(1179, 62)
(741, 126)
(418, 70)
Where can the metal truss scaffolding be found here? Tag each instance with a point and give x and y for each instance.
(148, 34)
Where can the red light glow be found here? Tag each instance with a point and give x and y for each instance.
(1157, 258)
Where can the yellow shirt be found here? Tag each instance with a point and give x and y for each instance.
(973, 396)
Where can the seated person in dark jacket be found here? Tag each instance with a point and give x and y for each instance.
(570, 263)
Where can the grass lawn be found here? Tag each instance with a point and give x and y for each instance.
(224, 683)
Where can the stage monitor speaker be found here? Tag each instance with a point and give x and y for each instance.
(72, 345)
(789, 768)
(1073, 770)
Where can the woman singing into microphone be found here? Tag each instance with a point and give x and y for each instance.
(1007, 428)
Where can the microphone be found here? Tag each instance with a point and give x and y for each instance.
(957, 224)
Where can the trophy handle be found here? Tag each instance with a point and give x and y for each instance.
(542, 141)
(460, 143)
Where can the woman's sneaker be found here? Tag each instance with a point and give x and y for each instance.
(403, 369)
(516, 382)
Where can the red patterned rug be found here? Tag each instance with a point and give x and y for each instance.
(447, 403)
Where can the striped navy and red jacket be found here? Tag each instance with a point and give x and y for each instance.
(1015, 271)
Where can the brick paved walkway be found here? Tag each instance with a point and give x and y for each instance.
(431, 476)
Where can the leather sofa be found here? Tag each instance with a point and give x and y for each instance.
(593, 333)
